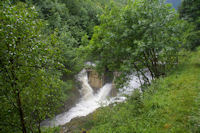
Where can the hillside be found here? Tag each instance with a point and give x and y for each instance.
(54, 51)
(169, 105)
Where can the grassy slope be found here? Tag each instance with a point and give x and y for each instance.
(171, 104)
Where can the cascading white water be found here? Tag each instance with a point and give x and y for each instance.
(89, 101)
(86, 90)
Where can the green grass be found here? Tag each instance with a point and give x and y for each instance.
(169, 105)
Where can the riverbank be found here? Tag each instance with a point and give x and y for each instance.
(169, 105)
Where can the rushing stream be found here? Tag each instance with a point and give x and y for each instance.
(90, 101)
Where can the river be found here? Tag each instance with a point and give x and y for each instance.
(91, 101)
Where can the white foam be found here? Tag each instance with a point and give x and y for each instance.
(89, 101)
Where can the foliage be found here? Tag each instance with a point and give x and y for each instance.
(143, 35)
(74, 20)
(30, 70)
(190, 11)
(170, 104)
(51, 130)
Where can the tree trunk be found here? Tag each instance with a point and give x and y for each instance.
(39, 129)
(21, 112)
(13, 61)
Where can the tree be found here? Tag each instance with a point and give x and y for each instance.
(144, 35)
(30, 70)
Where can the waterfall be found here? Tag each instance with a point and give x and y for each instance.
(90, 101)
(86, 90)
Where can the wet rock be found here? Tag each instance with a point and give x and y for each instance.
(95, 80)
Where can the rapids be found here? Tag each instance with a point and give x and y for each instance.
(90, 101)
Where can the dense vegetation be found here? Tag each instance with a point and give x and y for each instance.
(44, 43)
(30, 70)
(39, 48)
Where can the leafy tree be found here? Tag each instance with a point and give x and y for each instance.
(29, 70)
(144, 35)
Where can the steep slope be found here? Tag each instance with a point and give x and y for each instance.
(170, 104)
